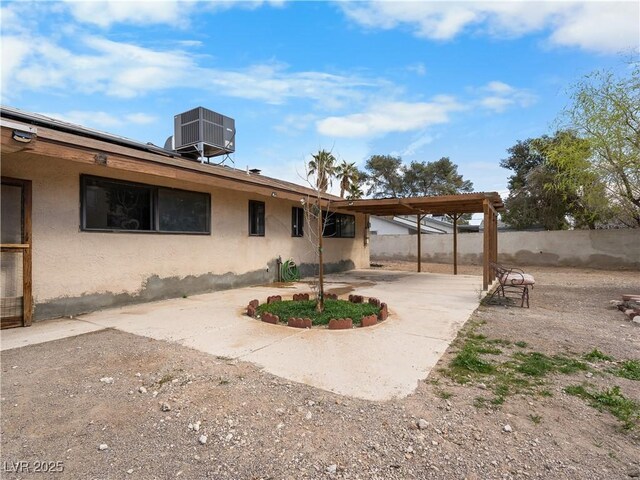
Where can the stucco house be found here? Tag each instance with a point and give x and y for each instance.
(92, 220)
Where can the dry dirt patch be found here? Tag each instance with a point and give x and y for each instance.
(56, 408)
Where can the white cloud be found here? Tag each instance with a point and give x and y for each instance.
(599, 26)
(97, 65)
(104, 13)
(175, 13)
(416, 145)
(418, 68)
(140, 118)
(101, 119)
(389, 117)
(498, 96)
(97, 119)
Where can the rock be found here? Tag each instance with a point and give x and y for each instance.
(308, 416)
(228, 437)
(196, 426)
(103, 446)
(108, 380)
(507, 428)
(311, 403)
(142, 390)
(202, 439)
(332, 469)
(280, 411)
(588, 374)
(634, 472)
(130, 471)
(482, 386)
(165, 407)
(138, 374)
(155, 393)
(423, 424)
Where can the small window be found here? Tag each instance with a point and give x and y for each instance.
(347, 226)
(256, 218)
(297, 222)
(116, 205)
(339, 225)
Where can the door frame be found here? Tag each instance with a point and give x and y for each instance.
(25, 248)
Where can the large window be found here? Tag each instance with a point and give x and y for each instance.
(256, 218)
(116, 205)
(297, 222)
(339, 225)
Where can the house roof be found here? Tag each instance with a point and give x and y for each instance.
(443, 204)
(427, 224)
(61, 139)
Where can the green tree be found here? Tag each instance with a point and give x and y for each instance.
(605, 112)
(323, 167)
(355, 192)
(536, 198)
(348, 175)
(387, 176)
(434, 178)
(384, 174)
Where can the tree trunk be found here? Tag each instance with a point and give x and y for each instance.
(320, 303)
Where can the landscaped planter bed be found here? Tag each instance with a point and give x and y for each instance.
(300, 312)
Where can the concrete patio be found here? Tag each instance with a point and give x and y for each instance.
(375, 363)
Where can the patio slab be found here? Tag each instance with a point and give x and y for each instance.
(375, 363)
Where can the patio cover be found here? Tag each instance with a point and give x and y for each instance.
(488, 203)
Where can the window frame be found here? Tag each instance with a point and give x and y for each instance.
(253, 203)
(154, 212)
(297, 222)
(336, 219)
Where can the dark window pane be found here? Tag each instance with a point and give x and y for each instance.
(347, 226)
(11, 214)
(297, 222)
(256, 218)
(116, 206)
(330, 226)
(182, 211)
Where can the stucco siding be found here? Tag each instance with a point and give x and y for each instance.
(70, 264)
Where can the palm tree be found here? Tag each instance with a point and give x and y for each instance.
(323, 167)
(347, 174)
(354, 192)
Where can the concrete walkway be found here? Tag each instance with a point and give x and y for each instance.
(375, 363)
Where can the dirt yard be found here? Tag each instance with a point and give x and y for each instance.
(114, 405)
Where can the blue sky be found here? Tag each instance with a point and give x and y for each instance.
(421, 80)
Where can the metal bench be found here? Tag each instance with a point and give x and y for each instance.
(512, 280)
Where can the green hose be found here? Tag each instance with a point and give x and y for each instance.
(289, 271)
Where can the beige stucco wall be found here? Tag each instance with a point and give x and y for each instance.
(68, 262)
(572, 248)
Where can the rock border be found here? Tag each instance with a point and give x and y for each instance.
(334, 323)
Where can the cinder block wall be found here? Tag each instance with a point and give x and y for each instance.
(605, 249)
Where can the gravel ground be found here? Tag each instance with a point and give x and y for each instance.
(113, 405)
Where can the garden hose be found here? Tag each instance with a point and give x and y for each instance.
(289, 271)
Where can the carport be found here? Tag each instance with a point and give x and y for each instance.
(488, 203)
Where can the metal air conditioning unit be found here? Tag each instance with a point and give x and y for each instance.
(204, 133)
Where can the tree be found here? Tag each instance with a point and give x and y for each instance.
(348, 176)
(435, 178)
(605, 112)
(384, 174)
(536, 197)
(323, 168)
(387, 176)
(355, 192)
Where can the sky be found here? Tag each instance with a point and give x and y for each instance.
(420, 80)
